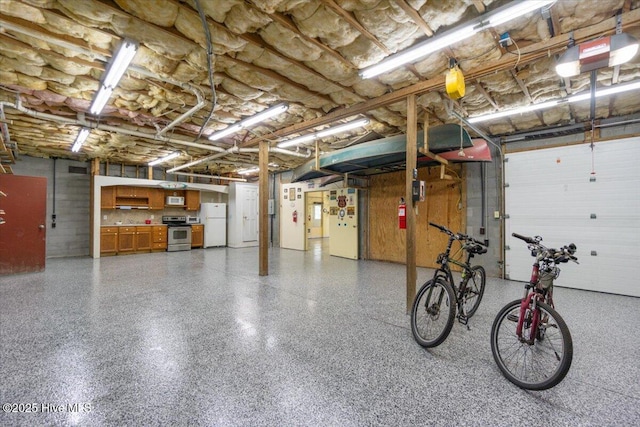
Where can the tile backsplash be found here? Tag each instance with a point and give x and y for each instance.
(138, 216)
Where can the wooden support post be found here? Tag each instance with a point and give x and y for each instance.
(263, 224)
(149, 172)
(411, 161)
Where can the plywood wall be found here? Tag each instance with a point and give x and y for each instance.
(445, 204)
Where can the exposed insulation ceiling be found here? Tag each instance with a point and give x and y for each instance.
(306, 53)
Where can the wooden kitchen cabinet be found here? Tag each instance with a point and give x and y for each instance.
(108, 240)
(132, 192)
(126, 239)
(108, 197)
(192, 200)
(143, 239)
(197, 235)
(156, 198)
(159, 237)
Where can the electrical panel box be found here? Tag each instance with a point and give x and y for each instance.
(419, 190)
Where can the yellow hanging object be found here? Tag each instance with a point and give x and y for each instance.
(454, 83)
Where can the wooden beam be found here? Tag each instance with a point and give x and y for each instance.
(411, 161)
(348, 16)
(415, 17)
(479, 5)
(263, 225)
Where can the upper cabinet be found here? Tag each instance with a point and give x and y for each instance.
(114, 197)
(156, 198)
(192, 200)
(108, 197)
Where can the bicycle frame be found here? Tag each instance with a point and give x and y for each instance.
(445, 271)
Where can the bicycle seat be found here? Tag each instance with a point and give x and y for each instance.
(476, 249)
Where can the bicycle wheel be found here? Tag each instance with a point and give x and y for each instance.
(433, 312)
(474, 290)
(536, 366)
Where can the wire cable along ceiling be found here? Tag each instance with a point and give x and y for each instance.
(211, 80)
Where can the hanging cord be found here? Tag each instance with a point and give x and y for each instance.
(214, 98)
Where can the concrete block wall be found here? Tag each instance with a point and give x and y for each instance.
(478, 219)
(71, 236)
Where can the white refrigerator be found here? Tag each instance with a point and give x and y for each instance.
(214, 218)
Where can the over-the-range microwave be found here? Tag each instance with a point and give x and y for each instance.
(174, 200)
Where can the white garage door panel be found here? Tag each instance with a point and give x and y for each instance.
(550, 194)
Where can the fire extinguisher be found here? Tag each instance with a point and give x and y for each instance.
(402, 214)
(295, 216)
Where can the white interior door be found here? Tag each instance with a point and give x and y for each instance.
(552, 193)
(292, 217)
(343, 223)
(249, 200)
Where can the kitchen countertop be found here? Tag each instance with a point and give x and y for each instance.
(132, 225)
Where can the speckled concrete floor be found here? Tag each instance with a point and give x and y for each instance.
(198, 338)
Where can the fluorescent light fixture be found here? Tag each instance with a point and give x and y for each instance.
(100, 100)
(116, 68)
(256, 118)
(599, 53)
(501, 15)
(611, 90)
(120, 62)
(423, 49)
(164, 159)
(225, 132)
(264, 115)
(321, 134)
(80, 139)
(248, 171)
(515, 10)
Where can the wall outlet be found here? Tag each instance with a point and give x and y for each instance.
(152, 216)
(104, 217)
(496, 214)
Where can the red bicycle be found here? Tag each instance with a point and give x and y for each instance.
(530, 341)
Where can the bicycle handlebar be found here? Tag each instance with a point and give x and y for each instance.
(460, 236)
(564, 254)
(529, 240)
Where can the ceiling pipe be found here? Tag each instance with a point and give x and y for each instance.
(236, 149)
(116, 129)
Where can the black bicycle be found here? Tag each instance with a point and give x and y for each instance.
(437, 301)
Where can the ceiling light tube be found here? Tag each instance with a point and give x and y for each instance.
(100, 100)
(80, 139)
(119, 63)
(611, 90)
(515, 10)
(225, 132)
(321, 134)
(421, 50)
(116, 68)
(164, 159)
(342, 128)
(264, 115)
(261, 116)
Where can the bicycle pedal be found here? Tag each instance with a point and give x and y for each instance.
(463, 319)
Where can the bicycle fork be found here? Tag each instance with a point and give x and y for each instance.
(529, 313)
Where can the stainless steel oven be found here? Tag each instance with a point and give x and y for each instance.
(179, 233)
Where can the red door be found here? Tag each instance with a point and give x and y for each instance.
(23, 209)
